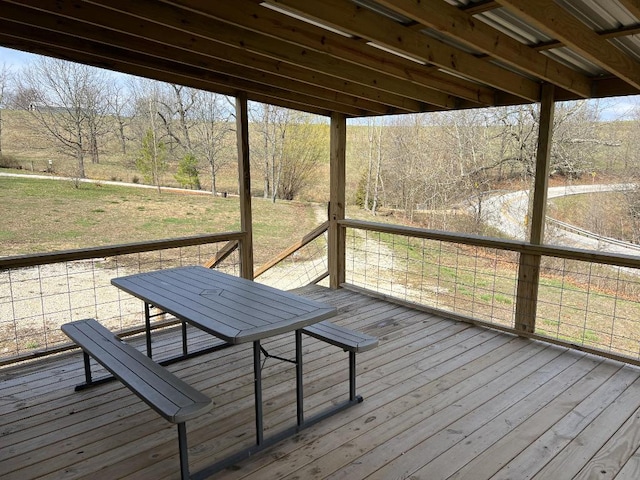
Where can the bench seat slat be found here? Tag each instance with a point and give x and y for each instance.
(343, 337)
(171, 397)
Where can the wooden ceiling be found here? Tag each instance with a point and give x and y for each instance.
(359, 58)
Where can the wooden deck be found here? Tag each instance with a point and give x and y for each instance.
(443, 399)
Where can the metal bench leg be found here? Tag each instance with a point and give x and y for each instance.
(87, 368)
(184, 452)
(352, 376)
(299, 383)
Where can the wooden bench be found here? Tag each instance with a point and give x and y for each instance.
(172, 398)
(349, 340)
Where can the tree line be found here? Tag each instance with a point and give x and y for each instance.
(80, 112)
(438, 161)
(409, 163)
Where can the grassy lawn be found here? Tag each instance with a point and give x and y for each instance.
(50, 215)
(604, 213)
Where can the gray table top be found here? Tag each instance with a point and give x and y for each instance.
(231, 308)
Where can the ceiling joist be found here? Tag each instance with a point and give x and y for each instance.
(358, 21)
(355, 57)
(549, 17)
(472, 32)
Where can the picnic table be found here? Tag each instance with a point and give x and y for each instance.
(237, 311)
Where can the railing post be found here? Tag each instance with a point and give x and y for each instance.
(244, 186)
(337, 238)
(529, 268)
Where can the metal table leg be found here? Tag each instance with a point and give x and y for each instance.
(257, 372)
(299, 391)
(147, 326)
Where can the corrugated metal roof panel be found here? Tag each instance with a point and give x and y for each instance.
(575, 61)
(598, 15)
(505, 21)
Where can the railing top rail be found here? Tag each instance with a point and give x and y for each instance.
(308, 238)
(570, 253)
(30, 260)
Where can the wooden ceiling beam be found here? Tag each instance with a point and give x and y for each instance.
(356, 20)
(199, 52)
(476, 34)
(250, 15)
(480, 6)
(107, 56)
(202, 27)
(557, 22)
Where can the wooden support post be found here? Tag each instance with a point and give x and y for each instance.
(529, 268)
(336, 250)
(244, 186)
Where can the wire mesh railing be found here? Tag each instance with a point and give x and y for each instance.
(303, 263)
(584, 301)
(473, 281)
(37, 298)
(590, 304)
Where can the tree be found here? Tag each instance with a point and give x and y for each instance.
(372, 179)
(301, 154)
(288, 149)
(152, 158)
(577, 139)
(271, 123)
(69, 105)
(174, 109)
(5, 78)
(187, 175)
(411, 166)
(473, 135)
(23, 97)
(211, 130)
(122, 112)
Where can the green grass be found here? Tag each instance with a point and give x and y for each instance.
(503, 299)
(50, 215)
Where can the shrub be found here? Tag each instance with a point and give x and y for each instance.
(9, 161)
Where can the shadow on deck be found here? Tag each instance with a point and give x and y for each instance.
(443, 399)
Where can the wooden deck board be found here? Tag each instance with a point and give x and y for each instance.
(443, 399)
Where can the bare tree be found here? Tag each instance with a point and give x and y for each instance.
(301, 154)
(472, 135)
(69, 105)
(120, 108)
(287, 147)
(370, 196)
(414, 166)
(271, 123)
(5, 78)
(211, 130)
(185, 101)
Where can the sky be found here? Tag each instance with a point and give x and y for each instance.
(14, 57)
(617, 108)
